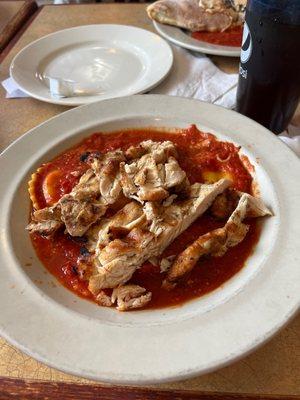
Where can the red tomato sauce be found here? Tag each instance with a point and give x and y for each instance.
(198, 153)
(230, 37)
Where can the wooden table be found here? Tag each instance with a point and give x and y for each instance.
(13, 15)
(274, 368)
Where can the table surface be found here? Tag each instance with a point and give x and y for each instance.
(272, 369)
(8, 9)
(13, 15)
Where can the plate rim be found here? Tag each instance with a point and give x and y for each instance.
(215, 50)
(78, 102)
(155, 98)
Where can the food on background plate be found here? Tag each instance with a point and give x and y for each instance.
(213, 21)
(144, 218)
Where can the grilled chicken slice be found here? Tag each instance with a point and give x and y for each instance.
(218, 241)
(118, 226)
(235, 8)
(83, 206)
(87, 187)
(225, 204)
(46, 221)
(188, 15)
(103, 299)
(46, 214)
(141, 185)
(236, 5)
(149, 177)
(129, 297)
(166, 263)
(174, 175)
(161, 151)
(78, 210)
(115, 264)
(129, 217)
(106, 169)
(98, 187)
(79, 215)
(46, 228)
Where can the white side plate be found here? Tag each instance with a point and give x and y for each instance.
(64, 331)
(107, 60)
(181, 38)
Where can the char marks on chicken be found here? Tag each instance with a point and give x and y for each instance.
(151, 176)
(157, 227)
(160, 203)
(218, 241)
(88, 201)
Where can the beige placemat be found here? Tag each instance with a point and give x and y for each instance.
(274, 368)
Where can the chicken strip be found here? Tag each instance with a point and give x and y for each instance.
(115, 264)
(150, 177)
(236, 5)
(225, 204)
(119, 225)
(236, 8)
(79, 215)
(103, 299)
(129, 297)
(77, 210)
(218, 241)
(118, 260)
(46, 221)
(107, 171)
(188, 15)
(97, 188)
(107, 230)
(46, 228)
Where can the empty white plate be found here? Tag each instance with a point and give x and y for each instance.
(181, 38)
(89, 63)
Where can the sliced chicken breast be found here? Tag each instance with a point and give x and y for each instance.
(150, 177)
(98, 187)
(107, 171)
(129, 297)
(119, 225)
(115, 264)
(46, 228)
(236, 8)
(236, 5)
(218, 241)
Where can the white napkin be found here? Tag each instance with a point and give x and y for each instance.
(193, 75)
(291, 137)
(12, 89)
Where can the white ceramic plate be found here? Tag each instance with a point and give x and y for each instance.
(110, 60)
(74, 335)
(181, 38)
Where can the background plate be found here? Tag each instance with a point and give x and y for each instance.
(179, 37)
(114, 60)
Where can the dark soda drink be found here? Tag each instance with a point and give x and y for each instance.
(269, 74)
